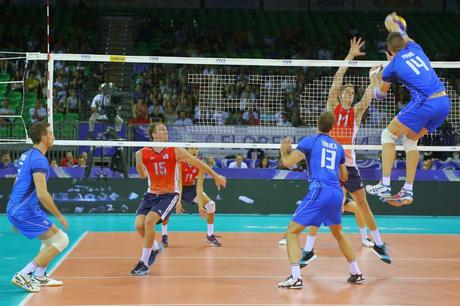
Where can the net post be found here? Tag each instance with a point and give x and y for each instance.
(49, 99)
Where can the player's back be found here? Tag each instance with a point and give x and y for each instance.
(324, 156)
(162, 170)
(412, 67)
(23, 198)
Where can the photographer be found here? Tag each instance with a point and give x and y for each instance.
(103, 110)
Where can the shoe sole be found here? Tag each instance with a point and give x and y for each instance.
(357, 283)
(22, 287)
(384, 259)
(367, 246)
(282, 242)
(290, 287)
(303, 264)
(213, 245)
(143, 274)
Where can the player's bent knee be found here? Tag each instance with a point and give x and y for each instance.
(388, 137)
(59, 241)
(210, 207)
(409, 144)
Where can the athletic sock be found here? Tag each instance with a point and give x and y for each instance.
(295, 271)
(376, 236)
(310, 243)
(164, 229)
(408, 186)
(40, 271)
(145, 255)
(363, 232)
(386, 180)
(30, 268)
(156, 246)
(210, 229)
(354, 269)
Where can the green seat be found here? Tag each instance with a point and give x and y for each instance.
(58, 117)
(30, 95)
(72, 117)
(4, 77)
(15, 96)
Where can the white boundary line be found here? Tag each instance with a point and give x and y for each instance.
(55, 266)
(255, 258)
(232, 304)
(415, 278)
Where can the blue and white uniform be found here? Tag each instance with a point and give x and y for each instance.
(323, 203)
(412, 68)
(23, 208)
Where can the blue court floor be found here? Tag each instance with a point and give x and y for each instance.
(16, 250)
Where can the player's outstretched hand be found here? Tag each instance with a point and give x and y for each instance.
(355, 47)
(64, 222)
(221, 181)
(286, 145)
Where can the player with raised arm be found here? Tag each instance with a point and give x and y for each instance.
(161, 166)
(428, 108)
(193, 193)
(24, 212)
(323, 203)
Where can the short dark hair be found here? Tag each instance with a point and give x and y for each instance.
(326, 122)
(395, 42)
(153, 128)
(37, 131)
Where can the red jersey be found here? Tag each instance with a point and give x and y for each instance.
(345, 130)
(189, 174)
(163, 170)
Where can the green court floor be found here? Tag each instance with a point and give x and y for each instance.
(16, 250)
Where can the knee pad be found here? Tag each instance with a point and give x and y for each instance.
(409, 144)
(388, 137)
(59, 241)
(210, 207)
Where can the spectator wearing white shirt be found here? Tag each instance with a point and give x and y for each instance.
(6, 110)
(284, 121)
(238, 163)
(183, 120)
(98, 107)
(220, 117)
(38, 113)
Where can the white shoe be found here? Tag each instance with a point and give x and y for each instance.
(379, 190)
(291, 283)
(366, 242)
(283, 241)
(47, 281)
(24, 281)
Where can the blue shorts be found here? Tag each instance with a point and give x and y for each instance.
(429, 114)
(355, 181)
(189, 194)
(162, 204)
(31, 225)
(322, 205)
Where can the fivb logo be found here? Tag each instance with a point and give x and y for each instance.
(352, 63)
(85, 57)
(287, 62)
(154, 59)
(220, 60)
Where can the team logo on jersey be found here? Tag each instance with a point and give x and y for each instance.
(45, 222)
(166, 156)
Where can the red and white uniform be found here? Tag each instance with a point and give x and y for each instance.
(345, 131)
(189, 174)
(163, 170)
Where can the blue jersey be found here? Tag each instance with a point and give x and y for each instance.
(23, 198)
(413, 69)
(323, 155)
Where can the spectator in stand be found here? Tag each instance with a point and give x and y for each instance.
(81, 162)
(238, 163)
(236, 119)
(32, 82)
(6, 110)
(183, 119)
(53, 163)
(5, 161)
(251, 116)
(427, 164)
(284, 121)
(219, 116)
(38, 113)
(138, 93)
(255, 153)
(210, 161)
(156, 115)
(73, 102)
(263, 163)
(69, 160)
(170, 116)
(140, 114)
